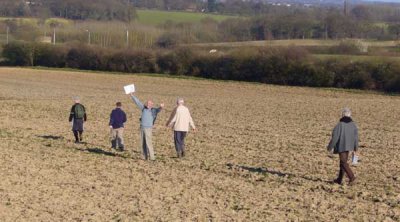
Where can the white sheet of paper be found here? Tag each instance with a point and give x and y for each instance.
(129, 89)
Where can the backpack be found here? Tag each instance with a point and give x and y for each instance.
(79, 111)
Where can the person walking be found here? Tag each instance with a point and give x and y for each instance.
(180, 120)
(147, 120)
(117, 120)
(77, 117)
(344, 140)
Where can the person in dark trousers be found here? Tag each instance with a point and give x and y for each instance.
(180, 120)
(77, 116)
(117, 120)
(344, 140)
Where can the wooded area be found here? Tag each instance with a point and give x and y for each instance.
(70, 9)
(266, 22)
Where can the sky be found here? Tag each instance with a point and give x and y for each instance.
(398, 1)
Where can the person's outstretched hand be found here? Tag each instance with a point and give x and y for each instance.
(162, 105)
(132, 94)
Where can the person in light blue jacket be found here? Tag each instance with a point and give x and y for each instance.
(344, 140)
(147, 120)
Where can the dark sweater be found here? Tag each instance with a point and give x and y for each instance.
(72, 114)
(344, 136)
(117, 118)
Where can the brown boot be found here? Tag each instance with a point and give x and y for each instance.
(352, 182)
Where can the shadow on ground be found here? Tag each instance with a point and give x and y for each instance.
(50, 137)
(263, 170)
(99, 151)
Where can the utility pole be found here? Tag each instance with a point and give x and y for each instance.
(54, 36)
(8, 31)
(127, 38)
(89, 38)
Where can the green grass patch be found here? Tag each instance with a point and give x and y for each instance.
(21, 21)
(156, 17)
(357, 58)
(35, 21)
(61, 21)
(296, 42)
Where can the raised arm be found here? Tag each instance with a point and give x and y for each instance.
(159, 108)
(137, 102)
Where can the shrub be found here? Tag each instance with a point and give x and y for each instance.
(18, 54)
(167, 63)
(393, 85)
(309, 75)
(346, 47)
(357, 76)
(83, 57)
(167, 40)
(49, 55)
(185, 56)
(131, 61)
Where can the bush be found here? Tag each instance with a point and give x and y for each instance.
(309, 75)
(83, 57)
(131, 62)
(393, 85)
(185, 56)
(167, 40)
(18, 54)
(346, 47)
(49, 55)
(355, 76)
(167, 63)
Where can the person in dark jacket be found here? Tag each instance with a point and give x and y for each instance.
(117, 120)
(344, 140)
(77, 116)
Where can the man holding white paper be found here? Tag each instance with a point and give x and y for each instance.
(129, 89)
(147, 120)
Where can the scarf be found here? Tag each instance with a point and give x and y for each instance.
(346, 119)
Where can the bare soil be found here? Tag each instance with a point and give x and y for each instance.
(259, 155)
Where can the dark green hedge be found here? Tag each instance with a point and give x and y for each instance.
(285, 66)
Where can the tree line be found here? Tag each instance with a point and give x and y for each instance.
(267, 22)
(70, 9)
(282, 66)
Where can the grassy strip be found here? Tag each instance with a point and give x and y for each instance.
(156, 17)
(357, 58)
(295, 42)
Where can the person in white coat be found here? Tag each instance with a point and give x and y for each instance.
(180, 120)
